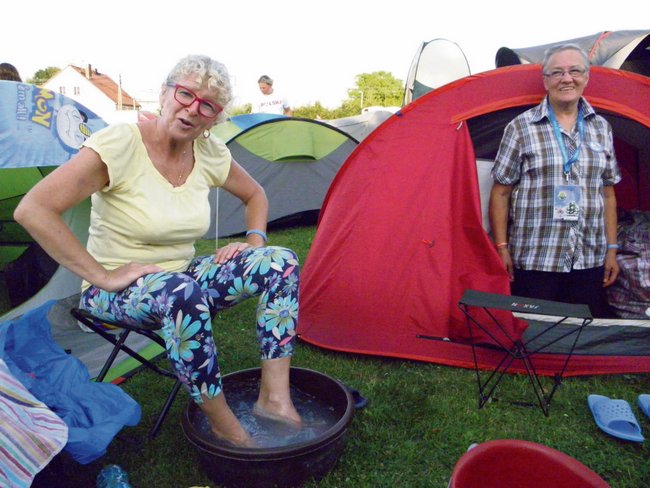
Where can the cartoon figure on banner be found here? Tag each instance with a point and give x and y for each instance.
(71, 127)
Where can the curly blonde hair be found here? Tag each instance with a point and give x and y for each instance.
(210, 73)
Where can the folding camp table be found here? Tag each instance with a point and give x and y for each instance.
(523, 348)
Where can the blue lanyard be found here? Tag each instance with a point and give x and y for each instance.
(568, 160)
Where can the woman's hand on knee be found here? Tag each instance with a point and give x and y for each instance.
(230, 251)
(119, 278)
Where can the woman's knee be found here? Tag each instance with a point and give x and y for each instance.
(281, 258)
(291, 253)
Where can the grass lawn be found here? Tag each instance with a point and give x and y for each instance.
(420, 420)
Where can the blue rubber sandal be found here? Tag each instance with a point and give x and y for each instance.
(615, 418)
(644, 404)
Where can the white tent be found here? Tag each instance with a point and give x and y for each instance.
(436, 63)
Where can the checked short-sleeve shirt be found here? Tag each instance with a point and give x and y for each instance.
(530, 159)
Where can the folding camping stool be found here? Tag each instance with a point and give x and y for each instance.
(524, 349)
(118, 340)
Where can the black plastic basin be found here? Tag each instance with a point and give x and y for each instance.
(286, 466)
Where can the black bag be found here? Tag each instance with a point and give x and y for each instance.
(629, 296)
(28, 274)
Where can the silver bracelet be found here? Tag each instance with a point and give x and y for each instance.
(258, 233)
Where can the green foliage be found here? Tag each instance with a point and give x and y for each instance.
(378, 89)
(241, 109)
(317, 111)
(42, 75)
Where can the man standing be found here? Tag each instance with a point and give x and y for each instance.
(270, 102)
(552, 206)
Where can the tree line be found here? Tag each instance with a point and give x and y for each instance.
(377, 89)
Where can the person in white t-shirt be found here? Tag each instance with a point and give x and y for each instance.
(149, 184)
(270, 102)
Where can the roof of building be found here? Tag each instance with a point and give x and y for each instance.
(106, 85)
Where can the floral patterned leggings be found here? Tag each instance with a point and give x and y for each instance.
(185, 303)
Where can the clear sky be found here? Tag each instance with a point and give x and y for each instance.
(312, 49)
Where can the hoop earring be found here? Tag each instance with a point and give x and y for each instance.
(206, 134)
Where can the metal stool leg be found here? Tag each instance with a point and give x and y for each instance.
(165, 410)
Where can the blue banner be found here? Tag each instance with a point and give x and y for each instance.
(39, 127)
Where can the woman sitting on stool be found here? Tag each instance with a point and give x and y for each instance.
(149, 185)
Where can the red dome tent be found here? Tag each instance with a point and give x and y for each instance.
(400, 235)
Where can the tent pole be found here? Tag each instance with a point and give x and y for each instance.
(216, 222)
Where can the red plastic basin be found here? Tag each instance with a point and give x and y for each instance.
(517, 463)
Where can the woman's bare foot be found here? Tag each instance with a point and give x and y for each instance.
(274, 400)
(238, 437)
(237, 441)
(277, 411)
(223, 422)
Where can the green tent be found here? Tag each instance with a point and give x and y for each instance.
(14, 183)
(294, 159)
(39, 130)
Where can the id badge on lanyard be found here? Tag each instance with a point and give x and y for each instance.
(567, 198)
(566, 202)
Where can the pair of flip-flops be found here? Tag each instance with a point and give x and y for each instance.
(615, 417)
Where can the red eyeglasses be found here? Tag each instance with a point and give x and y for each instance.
(187, 97)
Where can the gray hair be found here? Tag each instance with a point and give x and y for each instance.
(210, 73)
(266, 79)
(564, 47)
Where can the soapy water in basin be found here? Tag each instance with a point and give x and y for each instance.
(317, 418)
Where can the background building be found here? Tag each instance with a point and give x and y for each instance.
(96, 91)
